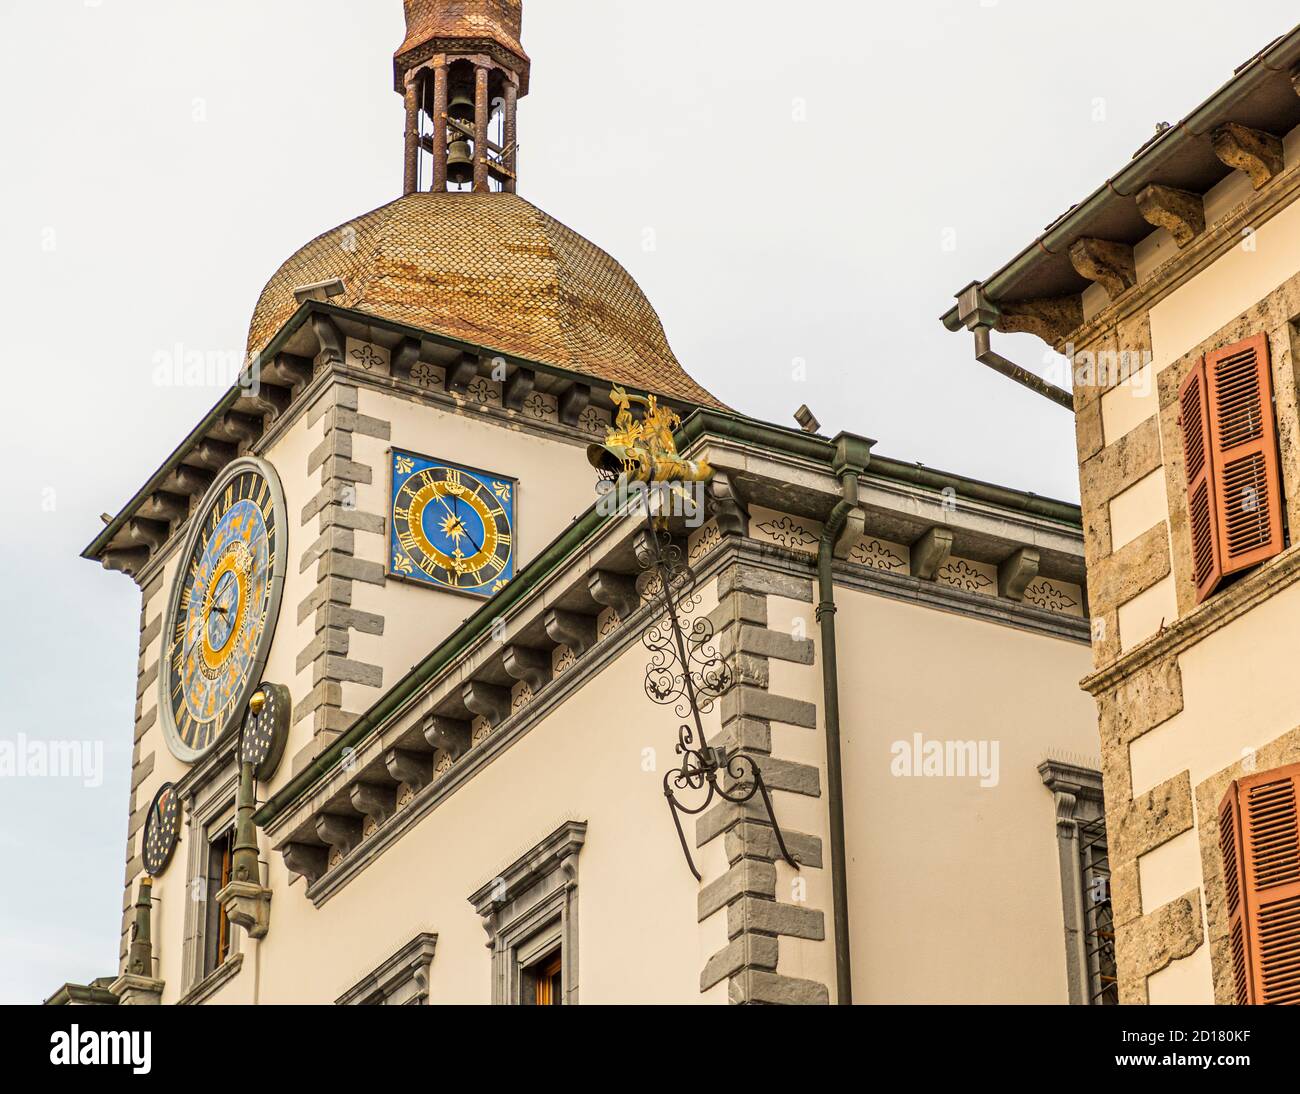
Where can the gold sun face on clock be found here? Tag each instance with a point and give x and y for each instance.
(223, 607)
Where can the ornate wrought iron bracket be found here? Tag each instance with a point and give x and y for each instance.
(686, 671)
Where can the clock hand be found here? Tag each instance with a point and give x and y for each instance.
(461, 521)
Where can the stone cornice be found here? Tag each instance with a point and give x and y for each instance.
(411, 961)
(296, 820)
(1187, 263)
(1215, 613)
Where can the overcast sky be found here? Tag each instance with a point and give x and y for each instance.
(788, 183)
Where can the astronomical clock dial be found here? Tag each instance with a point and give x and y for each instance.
(451, 526)
(162, 827)
(223, 608)
(266, 729)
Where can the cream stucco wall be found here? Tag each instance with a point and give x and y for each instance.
(955, 888)
(600, 758)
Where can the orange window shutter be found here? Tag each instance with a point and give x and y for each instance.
(1234, 887)
(1202, 502)
(1270, 846)
(1243, 454)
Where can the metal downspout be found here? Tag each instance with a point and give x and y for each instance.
(851, 457)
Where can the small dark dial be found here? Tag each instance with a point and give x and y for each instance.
(162, 828)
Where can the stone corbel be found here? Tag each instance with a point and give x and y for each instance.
(1067, 804)
(412, 768)
(1108, 264)
(187, 480)
(617, 591)
(243, 428)
(569, 867)
(309, 859)
(487, 700)
(531, 665)
(1016, 572)
(330, 339)
(1253, 151)
(460, 373)
(150, 534)
(518, 388)
(723, 504)
(930, 552)
(340, 832)
(1180, 212)
(376, 802)
(288, 368)
(128, 560)
(165, 507)
(452, 735)
(1051, 318)
(406, 357)
(573, 402)
(572, 629)
(248, 906)
(213, 454)
(265, 400)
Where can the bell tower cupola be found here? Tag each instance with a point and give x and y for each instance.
(462, 71)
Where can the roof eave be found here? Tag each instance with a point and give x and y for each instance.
(1279, 58)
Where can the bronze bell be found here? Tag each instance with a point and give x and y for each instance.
(460, 162)
(461, 106)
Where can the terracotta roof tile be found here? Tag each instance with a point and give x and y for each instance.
(494, 270)
(498, 20)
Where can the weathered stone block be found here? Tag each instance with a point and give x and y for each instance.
(773, 917)
(1139, 826)
(745, 878)
(744, 951)
(750, 702)
(757, 986)
(752, 579)
(1131, 570)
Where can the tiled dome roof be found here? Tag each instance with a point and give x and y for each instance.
(493, 270)
(497, 20)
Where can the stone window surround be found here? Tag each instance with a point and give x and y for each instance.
(1280, 752)
(1078, 798)
(401, 980)
(209, 810)
(529, 908)
(1284, 350)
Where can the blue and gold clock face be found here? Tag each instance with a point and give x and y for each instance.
(223, 608)
(451, 526)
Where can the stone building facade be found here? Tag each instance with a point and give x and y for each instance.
(471, 790)
(1174, 292)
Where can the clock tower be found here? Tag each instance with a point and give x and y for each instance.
(408, 434)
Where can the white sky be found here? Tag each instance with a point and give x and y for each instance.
(160, 158)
